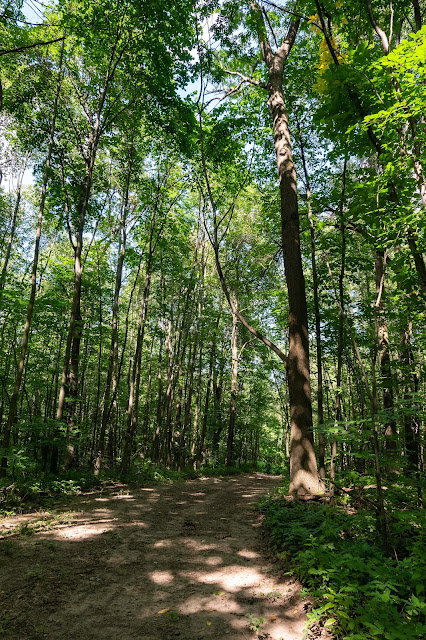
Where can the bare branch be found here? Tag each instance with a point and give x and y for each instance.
(4, 52)
(269, 25)
(291, 13)
(245, 79)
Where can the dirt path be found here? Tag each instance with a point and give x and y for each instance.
(181, 561)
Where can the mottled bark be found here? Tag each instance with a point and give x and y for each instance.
(304, 477)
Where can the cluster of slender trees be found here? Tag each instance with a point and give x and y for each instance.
(166, 272)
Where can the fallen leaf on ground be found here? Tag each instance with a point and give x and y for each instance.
(208, 623)
(162, 611)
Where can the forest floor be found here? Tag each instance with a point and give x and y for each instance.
(181, 561)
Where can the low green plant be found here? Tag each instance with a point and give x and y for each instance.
(173, 615)
(255, 624)
(26, 529)
(359, 592)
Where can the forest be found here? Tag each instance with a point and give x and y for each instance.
(212, 261)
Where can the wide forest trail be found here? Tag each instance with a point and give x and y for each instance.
(183, 560)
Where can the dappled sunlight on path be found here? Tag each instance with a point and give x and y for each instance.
(178, 561)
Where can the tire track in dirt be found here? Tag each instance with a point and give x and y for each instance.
(179, 561)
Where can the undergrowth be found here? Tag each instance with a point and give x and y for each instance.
(25, 494)
(358, 591)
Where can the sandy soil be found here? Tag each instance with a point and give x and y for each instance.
(179, 561)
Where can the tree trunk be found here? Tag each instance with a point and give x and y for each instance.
(338, 412)
(234, 380)
(112, 360)
(30, 308)
(303, 466)
(383, 349)
(13, 221)
(304, 477)
(155, 449)
(411, 420)
(135, 377)
(188, 403)
(320, 384)
(203, 433)
(69, 381)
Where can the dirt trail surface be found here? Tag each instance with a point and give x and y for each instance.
(181, 561)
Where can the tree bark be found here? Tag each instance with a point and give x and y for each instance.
(13, 224)
(203, 433)
(69, 381)
(234, 380)
(30, 308)
(304, 477)
(113, 351)
(133, 401)
(383, 350)
(320, 384)
(411, 420)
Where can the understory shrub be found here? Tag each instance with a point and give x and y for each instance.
(358, 591)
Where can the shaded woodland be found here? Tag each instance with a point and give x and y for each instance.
(212, 249)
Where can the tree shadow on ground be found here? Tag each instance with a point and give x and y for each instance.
(175, 561)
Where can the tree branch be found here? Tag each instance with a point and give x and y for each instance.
(382, 35)
(288, 43)
(4, 52)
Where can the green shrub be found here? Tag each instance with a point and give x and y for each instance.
(359, 592)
